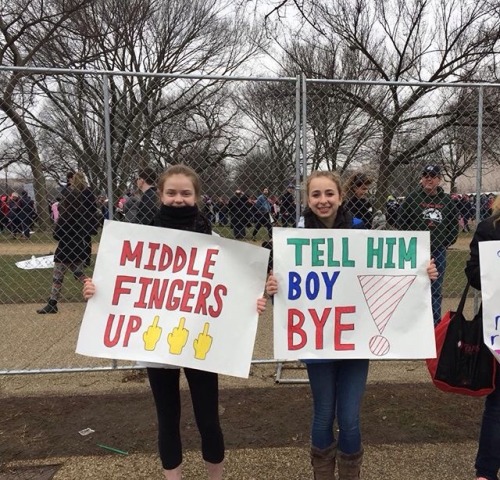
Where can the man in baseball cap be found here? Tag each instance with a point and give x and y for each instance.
(430, 208)
(432, 171)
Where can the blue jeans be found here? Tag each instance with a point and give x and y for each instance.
(439, 256)
(488, 453)
(337, 388)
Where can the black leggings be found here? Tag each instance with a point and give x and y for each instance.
(205, 398)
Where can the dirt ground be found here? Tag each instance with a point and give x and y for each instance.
(41, 415)
(41, 426)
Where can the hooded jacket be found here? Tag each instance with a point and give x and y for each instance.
(361, 209)
(435, 213)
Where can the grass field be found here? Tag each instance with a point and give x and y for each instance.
(33, 286)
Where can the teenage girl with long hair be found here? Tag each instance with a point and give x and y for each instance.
(179, 189)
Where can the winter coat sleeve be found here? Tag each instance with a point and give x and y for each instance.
(147, 207)
(405, 214)
(472, 269)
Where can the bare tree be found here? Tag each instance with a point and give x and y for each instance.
(256, 172)
(268, 118)
(29, 29)
(340, 132)
(402, 41)
(157, 36)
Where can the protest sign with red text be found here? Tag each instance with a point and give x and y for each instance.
(174, 297)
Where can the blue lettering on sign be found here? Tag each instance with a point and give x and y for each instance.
(293, 285)
(313, 284)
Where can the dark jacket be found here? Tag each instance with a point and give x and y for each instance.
(147, 207)
(130, 208)
(287, 206)
(486, 230)
(361, 209)
(76, 220)
(342, 220)
(238, 209)
(437, 214)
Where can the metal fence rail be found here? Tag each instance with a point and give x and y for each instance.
(245, 137)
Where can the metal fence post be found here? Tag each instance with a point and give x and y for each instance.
(479, 158)
(304, 129)
(479, 172)
(107, 143)
(297, 152)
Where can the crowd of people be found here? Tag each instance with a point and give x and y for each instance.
(17, 214)
(174, 200)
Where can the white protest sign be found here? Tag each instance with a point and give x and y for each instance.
(352, 294)
(489, 259)
(174, 297)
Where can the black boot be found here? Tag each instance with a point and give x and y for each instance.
(51, 307)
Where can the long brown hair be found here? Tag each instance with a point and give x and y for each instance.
(495, 209)
(72, 203)
(355, 181)
(79, 182)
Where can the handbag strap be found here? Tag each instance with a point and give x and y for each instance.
(461, 305)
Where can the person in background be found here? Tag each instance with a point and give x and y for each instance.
(288, 207)
(4, 212)
(148, 204)
(275, 208)
(391, 211)
(238, 211)
(337, 386)
(21, 214)
(72, 231)
(263, 214)
(131, 206)
(356, 190)
(28, 214)
(179, 188)
(17, 216)
(430, 208)
(487, 462)
(103, 205)
(208, 208)
(69, 180)
(379, 221)
(466, 213)
(221, 208)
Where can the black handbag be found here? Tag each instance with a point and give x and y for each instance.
(464, 364)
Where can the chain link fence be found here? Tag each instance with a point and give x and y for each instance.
(82, 146)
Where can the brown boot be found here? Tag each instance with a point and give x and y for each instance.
(323, 462)
(350, 465)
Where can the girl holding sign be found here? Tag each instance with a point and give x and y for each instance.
(179, 190)
(488, 454)
(337, 386)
